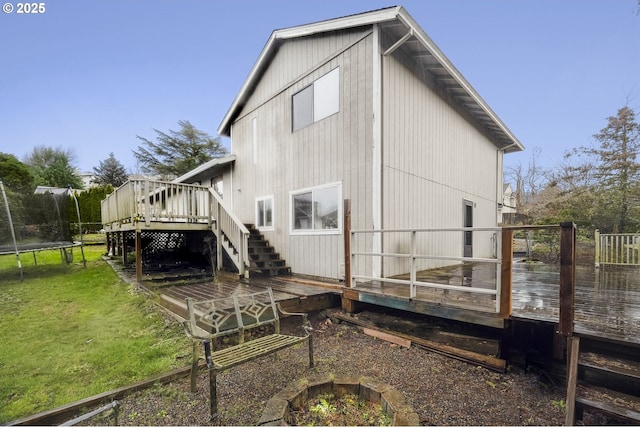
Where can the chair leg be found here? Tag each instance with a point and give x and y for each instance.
(213, 395)
(194, 366)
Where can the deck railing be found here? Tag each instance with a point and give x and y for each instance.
(419, 256)
(156, 201)
(427, 249)
(233, 229)
(151, 201)
(617, 249)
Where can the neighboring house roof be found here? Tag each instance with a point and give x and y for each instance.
(205, 170)
(43, 189)
(396, 22)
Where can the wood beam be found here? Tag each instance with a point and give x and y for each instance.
(138, 256)
(567, 277)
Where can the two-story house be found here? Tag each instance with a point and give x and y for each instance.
(365, 108)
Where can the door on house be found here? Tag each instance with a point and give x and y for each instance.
(468, 222)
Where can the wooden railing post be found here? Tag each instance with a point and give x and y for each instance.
(567, 277)
(506, 274)
(347, 242)
(596, 236)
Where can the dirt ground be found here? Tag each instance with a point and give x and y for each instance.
(443, 391)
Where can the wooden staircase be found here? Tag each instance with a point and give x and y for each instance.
(263, 259)
(605, 379)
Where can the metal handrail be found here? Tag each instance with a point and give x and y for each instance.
(412, 255)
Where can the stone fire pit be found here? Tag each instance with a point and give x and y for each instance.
(298, 393)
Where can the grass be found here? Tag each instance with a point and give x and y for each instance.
(70, 332)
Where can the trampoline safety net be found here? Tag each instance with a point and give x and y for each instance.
(39, 221)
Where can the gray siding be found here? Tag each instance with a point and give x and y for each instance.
(434, 158)
(335, 149)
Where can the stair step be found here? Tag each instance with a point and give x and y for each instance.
(264, 259)
(618, 405)
(270, 271)
(610, 364)
(265, 256)
(261, 250)
(274, 263)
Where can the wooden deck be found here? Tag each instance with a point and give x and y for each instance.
(292, 294)
(607, 301)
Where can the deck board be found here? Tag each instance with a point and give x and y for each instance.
(607, 309)
(607, 303)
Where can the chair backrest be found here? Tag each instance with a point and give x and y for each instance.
(233, 314)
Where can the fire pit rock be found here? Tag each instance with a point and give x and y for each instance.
(298, 393)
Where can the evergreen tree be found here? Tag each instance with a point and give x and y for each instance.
(177, 152)
(15, 175)
(610, 173)
(110, 172)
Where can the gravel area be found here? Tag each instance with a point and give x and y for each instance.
(443, 391)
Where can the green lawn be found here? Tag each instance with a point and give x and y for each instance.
(70, 332)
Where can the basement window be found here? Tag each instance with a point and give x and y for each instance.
(317, 101)
(317, 210)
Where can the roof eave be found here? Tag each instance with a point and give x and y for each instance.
(505, 139)
(512, 144)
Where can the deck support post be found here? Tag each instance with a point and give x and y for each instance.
(572, 379)
(350, 300)
(567, 278)
(138, 256)
(506, 274)
(123, 247)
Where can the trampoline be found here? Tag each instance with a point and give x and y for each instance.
(38, 222)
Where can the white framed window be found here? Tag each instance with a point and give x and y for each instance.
(317, 101)
(317, 210)
(264, 213)
(216, 183)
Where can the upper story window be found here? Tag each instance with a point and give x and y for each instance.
(317, 101)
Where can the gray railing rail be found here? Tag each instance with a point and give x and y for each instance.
(413, 254)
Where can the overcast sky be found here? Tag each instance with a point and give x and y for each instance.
(90, 75)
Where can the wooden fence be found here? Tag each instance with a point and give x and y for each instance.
(617, 249)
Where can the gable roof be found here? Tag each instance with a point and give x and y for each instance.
(396, 22)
